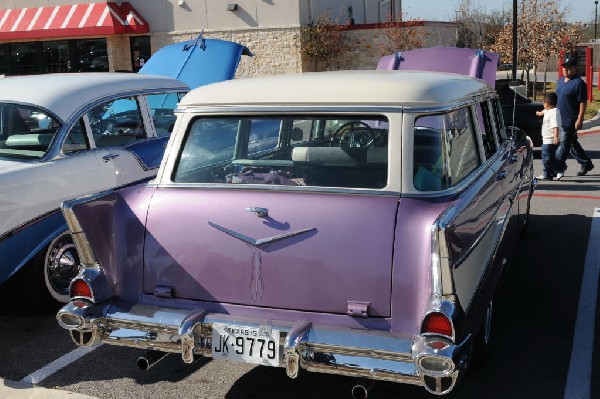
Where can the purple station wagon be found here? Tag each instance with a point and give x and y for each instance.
(353, 223)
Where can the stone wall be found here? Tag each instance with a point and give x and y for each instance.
(368, 45)
(119, 53)
(278, 50)
(275, 50)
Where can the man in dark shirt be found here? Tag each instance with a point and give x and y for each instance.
(572, 103)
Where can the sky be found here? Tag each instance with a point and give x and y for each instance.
(443, 10)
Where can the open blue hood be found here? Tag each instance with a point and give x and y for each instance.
(197, 62)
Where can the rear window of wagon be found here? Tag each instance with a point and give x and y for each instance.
(326, 151)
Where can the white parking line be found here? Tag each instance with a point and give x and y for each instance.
(63, 361)
(580, 367)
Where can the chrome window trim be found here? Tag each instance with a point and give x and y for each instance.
(60, 137)
(273, 109)
(466, 182)
(270, 187)
(183, 125)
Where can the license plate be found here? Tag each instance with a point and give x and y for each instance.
(246, 344)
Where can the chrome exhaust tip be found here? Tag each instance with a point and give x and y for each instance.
(362, 389)
(69, 320)
(150, 359)
(78, 315)
(359, 392)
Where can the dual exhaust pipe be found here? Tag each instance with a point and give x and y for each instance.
(362, 389)
(150, 359)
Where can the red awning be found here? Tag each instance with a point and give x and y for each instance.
(104, 18)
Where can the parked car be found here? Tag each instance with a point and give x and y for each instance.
(67, 135)
(366, 240)
(521, 110)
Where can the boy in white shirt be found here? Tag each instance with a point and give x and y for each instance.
(550, 128)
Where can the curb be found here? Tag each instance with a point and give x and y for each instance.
(22, 390)
(590, 123)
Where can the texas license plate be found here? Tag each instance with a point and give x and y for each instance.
(246, 344)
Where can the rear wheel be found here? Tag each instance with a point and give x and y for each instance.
(61, 264)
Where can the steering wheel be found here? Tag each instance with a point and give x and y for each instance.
(354, 134)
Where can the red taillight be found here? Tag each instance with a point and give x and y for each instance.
(437, 323)
(80, 288)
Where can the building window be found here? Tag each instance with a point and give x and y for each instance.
(140, 51)
(4, 59)
(26, 58)
(84, 55)
(57, 57)
(92, 55)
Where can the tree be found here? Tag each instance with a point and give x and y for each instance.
(324, 40)
(476, 27)
(541, 32)
(402, 36)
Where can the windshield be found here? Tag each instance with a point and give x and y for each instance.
(326, 150)
(26, 132)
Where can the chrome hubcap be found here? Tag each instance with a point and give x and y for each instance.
(62, 264)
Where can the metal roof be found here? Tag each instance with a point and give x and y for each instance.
(63, 94)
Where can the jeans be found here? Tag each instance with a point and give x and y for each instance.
(570, 144)
(551, 164)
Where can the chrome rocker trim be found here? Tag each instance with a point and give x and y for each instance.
(350, 352)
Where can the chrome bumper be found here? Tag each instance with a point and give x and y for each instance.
(350, 352)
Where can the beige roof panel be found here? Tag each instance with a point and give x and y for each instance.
(349, 88)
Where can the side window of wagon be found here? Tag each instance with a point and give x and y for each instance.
(162, 107)
(499, 120)
(445, 150)
(485, 117)
(117, 123)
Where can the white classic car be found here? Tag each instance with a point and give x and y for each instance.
(67, 135)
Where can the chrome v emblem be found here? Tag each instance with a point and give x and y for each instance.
(259, 242)
(256, 281)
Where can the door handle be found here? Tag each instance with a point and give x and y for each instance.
(108, 157)
(502, 175)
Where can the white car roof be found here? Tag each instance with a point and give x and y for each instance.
(63, 94)
(347, 88)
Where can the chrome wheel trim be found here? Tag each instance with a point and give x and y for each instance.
(61, 265)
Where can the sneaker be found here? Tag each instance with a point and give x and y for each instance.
(559, 175)
(585, 168)
(542, 177)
